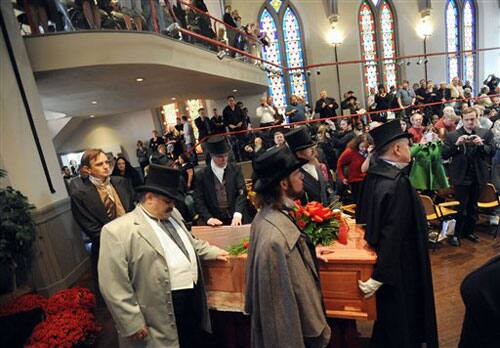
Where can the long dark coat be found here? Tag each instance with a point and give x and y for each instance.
(283, 294)
(316, 190)
(397, 229)
(205, 197)
(481, 295)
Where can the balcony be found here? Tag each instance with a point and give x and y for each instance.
(98, 72)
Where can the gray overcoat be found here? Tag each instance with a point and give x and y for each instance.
(283, 294)
(135, 281)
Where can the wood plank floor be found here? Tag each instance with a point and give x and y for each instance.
(449, 267)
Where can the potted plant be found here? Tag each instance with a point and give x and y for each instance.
(17, 233)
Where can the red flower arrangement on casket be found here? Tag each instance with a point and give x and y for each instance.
(322, 224)
(69, 321)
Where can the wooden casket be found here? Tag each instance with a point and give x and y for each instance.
(225, 281)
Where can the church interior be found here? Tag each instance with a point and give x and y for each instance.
(151, 84)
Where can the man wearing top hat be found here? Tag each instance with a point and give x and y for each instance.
(149, 269)
(283, 294)
(220, 193)
(316, 186)
(396, 228)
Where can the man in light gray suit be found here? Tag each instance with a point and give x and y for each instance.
(149, 269)
(283, 294)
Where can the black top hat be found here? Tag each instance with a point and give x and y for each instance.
(163, 181)
(217, 145)
(273, 165)
(387, 133)
(299, 139)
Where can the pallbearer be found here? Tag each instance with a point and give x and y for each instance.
(283, 294)
(396, 228)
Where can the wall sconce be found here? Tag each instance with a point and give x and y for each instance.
(334, 36)
(424, 28)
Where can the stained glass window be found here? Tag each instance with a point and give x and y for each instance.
(276, 4)
(388, 38)
(368, 45)
(170, 114)
(294, 54)
(469, 42)
(281, 24)
(452, 38)
(272, 53)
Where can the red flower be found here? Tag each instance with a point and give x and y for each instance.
(23, 304)
(71, 298)
(246, 244)
(317, 218)
(65, 329)
(301, 224)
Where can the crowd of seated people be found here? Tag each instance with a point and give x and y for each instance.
(337, 151)
(164, 17)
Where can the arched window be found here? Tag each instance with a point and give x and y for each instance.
(377, 23)
(280, 21)
(367, 31)
(452, 38)
(388, 39)
(272, 53)
(469, 40)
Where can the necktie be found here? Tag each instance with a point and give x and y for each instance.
(110, 207)
(174, 235)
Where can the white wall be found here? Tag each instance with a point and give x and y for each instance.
(18, 152)
(105, 132)
(489, 29)
(315, 25)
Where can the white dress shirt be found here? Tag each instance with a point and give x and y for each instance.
(265, 114)
(183, 271)
(311, 169)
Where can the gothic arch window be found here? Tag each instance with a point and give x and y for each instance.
(469, 40)
(280, 21)
(452, 38)
(388, 41)
(377, 24)
(368, 36)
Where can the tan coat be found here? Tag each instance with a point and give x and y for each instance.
(283, 294)
(135, 281)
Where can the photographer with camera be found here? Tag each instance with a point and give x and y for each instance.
(469, 149)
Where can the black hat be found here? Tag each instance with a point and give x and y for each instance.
(274, 165)
(163, 181)
(217, 145)
(386, 133)
(299, 139)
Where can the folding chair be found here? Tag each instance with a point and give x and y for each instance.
(436, 213)
(489, 201)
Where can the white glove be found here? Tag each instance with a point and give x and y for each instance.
(369, 287)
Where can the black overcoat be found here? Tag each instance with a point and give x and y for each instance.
(205, 197)
(396, 228)
(481, 295)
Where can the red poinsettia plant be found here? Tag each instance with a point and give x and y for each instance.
(322, 224)
(23, 303)
(71, 298)
(67, 328)
(69, 321)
